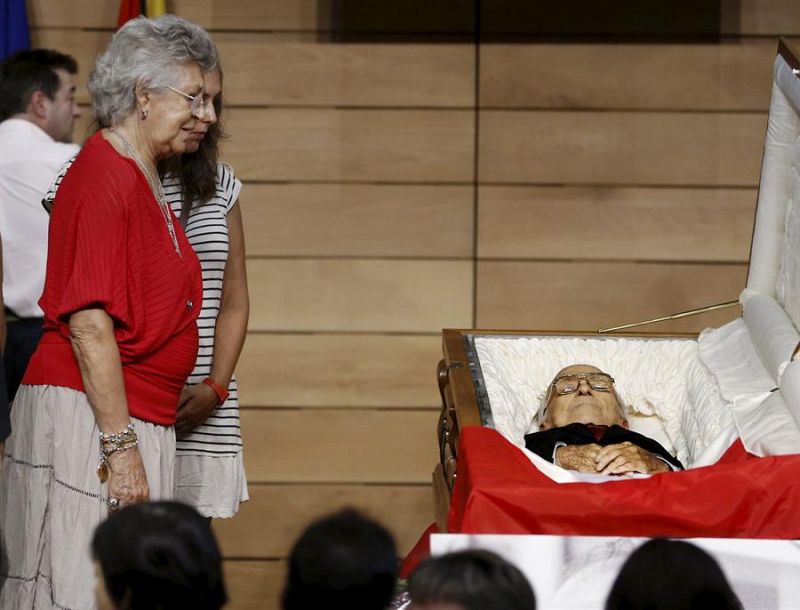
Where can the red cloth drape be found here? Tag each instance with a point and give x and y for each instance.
(498, 490)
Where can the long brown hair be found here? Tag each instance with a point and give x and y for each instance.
(197, 171)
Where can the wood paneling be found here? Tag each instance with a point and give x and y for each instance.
(767, 17)
(615, 223)
(587, 296)
(358, 220)
(72, 13)
(322, 370)
(254, 585)
(351, 145)
(728, 76)
(633, 148)
(83, 45)
(211, 14)
(270, 522)
(359, 295)
(301, 70)
(338, 445)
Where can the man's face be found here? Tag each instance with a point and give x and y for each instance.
(586, 405)
(62, 110)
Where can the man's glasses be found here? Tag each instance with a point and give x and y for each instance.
(567, 384)
(198, 101)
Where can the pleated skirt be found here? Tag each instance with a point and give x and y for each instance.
(51, 498)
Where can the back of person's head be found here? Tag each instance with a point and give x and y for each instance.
(469, 580)
(159, 555)
(25, 72)
(671, 574)
(342, 561)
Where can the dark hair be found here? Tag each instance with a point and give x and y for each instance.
(474, 580)
(160, 556)
(671, 574)
(197, 171)
(25, 72)
(344, 560)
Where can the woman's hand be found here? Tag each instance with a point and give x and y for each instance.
(196, 404)
(127, 480)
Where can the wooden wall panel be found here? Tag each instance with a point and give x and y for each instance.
(72, 13)
(339, 370)
(351, 145)
(589, 295)
(615, 223)
(339, 445)
(365, 220)
(631, 148)
(301, 70)
(268, 524)
(289, 15)
(83, 45)
(728, 76)
(254, 585)
(359, 295)
(767, 17)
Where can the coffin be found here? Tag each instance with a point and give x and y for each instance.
(726, 401)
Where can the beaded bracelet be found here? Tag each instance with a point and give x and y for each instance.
(125, 436)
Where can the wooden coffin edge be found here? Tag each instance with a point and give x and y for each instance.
(460, 401)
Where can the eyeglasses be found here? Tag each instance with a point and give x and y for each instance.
(567, 384)
(198, 101)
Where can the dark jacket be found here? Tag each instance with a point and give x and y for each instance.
(543, 443)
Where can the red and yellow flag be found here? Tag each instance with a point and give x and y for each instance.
(130, 9)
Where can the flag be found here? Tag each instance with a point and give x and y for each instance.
(130, 9)
(14, 33)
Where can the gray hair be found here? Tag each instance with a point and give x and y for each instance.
(146, 52)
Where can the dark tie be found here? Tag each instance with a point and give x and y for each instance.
(597, 430)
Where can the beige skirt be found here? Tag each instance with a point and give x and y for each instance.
(51, 499)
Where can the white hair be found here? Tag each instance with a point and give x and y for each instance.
(146, 52)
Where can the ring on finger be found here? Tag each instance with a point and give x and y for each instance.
(113, 503)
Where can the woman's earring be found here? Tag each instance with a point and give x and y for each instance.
(144, 114)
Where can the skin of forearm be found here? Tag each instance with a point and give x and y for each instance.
(234, 311)
(97, 353)
(229, 335)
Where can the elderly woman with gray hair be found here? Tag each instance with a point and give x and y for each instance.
(93, 420)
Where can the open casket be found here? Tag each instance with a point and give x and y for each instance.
(727, 402)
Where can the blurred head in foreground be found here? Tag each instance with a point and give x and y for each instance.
(344, 560)
(469, 580)
(667, 574)
(157, 555)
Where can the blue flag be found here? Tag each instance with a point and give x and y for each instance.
(14, 32)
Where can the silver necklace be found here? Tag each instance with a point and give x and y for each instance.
(155, 187)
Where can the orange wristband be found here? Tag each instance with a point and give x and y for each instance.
(222, 393)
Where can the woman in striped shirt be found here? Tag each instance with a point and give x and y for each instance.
(204, 194)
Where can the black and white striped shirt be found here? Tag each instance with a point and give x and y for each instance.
(207, 231)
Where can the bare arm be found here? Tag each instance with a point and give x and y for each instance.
(97, 353)
(198, 401)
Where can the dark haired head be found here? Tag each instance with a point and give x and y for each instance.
(474, 580)
(25, 72)
(160, 555)
(671, 574)
(344, 560)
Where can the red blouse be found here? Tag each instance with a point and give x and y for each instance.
(109, 248)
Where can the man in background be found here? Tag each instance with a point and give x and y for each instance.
(37, 117)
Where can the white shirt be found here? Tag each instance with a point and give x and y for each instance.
(29, 162)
